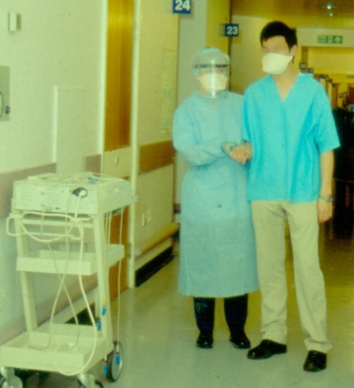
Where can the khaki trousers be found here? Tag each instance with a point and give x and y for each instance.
(269, 224)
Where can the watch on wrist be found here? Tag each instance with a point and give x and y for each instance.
(327, 199)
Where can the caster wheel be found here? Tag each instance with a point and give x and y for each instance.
(97, 384)
(115, 362)
(23, 374)
(16, 383)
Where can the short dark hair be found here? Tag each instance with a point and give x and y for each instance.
(279, 29)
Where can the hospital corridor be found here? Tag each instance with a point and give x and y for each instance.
(158, 334)
(150, 153)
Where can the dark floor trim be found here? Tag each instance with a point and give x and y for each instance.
(149, 269)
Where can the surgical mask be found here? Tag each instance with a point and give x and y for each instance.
(275, 63)
(213, 82)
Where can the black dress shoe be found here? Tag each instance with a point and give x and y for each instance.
(205, 340)
(240, 340)
(315, 361)
(266, 349)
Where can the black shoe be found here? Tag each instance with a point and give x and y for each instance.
(315, 361)
(240, 340)
(266, 349)
(205, 340)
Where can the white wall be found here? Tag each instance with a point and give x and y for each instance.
(60, 44)
(154, 100)
(158, 29)
(246, 53)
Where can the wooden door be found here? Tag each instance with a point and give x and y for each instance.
(118, 95)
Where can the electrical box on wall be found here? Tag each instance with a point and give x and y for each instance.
(4, 93)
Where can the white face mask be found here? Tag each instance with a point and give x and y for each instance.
(275, 63)
(213, 82)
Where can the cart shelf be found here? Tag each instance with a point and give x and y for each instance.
(48, 348)
(54, 261)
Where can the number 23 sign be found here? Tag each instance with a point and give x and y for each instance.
(231, 29)
(182, 6)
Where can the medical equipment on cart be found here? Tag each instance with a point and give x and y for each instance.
(62, 226)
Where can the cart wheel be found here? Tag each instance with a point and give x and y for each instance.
(115, 362)
(24, 374)
(16, 383)
(97, 384)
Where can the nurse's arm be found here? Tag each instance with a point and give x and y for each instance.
(325, 208)
(242, 153)
(200, 154)
(192, 151)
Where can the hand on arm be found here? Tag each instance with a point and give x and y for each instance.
(242, 153)
(324, 204)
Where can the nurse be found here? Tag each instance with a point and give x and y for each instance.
(217, 247)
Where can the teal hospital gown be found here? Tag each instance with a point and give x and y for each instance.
(287, 138)
(217, 247)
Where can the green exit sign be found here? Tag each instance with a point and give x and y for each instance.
(330, 39)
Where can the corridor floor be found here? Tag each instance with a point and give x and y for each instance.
(158, 333)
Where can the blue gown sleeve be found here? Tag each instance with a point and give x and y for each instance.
(194, 152)
(246, 135)
(326, 136)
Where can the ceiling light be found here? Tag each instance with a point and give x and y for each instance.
(329, 6)
(329, 9)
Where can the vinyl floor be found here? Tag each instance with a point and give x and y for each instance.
(157, 332)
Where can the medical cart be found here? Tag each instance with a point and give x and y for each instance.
(62, 226)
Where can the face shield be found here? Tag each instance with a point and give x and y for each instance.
(211, 69)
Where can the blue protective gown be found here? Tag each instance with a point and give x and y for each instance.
(217, 248)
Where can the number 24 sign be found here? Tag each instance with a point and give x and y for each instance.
(182, 6)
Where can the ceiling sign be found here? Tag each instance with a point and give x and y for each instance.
(330, 39)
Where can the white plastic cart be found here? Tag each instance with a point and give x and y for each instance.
(61, 225)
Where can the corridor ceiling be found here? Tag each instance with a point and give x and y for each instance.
(269, 8)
